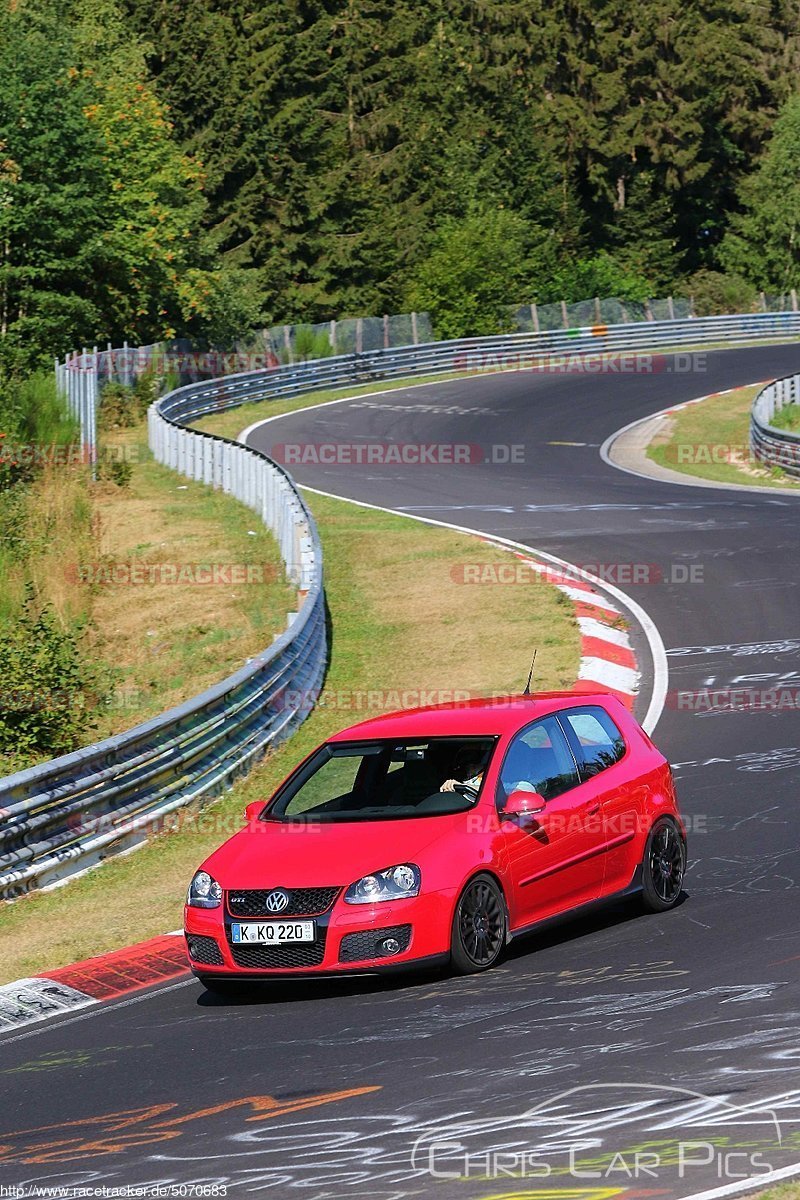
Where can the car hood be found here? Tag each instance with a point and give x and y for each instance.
(267, 854)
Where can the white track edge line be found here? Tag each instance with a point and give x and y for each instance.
(745, 1186)
(691, 480)
(97, 1007)
(649, 628)
(648, 625)
(455, 378)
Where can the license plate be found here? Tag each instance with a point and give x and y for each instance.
(272, 933)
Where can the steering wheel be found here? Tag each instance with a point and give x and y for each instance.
(464, 789)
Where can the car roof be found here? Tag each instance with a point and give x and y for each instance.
(492, 716)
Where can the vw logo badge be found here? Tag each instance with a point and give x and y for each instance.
(277, 901)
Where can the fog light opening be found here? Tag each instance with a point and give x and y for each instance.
(390, 945)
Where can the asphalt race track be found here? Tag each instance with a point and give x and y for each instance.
(618, 1056)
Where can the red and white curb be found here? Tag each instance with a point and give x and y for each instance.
(608, 662)
(106, 977)
(665, 412)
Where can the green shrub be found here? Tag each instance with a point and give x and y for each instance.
(34, 425)
(118, 407)
(714, 294)
(115, 470)
(601, 275)
(474, 269)
(310, 343)
(122, 407)
(49, 688)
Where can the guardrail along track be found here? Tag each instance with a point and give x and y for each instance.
(770, 445)
(68, 814)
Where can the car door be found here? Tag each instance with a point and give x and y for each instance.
(552, 857)
(606, 774)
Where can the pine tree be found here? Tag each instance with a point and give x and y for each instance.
(763, 242)
(54, 195)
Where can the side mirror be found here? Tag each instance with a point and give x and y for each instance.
(253, 810)
(523, 804)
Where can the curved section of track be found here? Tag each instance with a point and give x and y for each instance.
(669, 1041)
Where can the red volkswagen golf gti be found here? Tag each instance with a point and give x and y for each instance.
(436, 835)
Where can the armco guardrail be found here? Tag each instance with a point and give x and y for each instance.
(773, 446)
(507, 351)
(65, 815)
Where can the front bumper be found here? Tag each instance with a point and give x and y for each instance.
(349, 938)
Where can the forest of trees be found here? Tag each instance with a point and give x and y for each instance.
(201, 167)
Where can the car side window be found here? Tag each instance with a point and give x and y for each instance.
(538, 760)
(597, 742)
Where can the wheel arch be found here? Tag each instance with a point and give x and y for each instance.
(494, 875)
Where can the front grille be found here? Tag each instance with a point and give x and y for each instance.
(303, 902)
(204, 950)
(357, 947)
(302, 954)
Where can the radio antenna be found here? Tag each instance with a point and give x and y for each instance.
(527, 691)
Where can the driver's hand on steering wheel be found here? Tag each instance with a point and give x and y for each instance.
(449, 785)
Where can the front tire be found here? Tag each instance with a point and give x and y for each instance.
(479, 927)
(663, 866)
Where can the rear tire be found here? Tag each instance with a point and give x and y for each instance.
(663, 866)
(479, 927)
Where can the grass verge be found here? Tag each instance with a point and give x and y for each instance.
(100, 557)
(382, 573)
(788, 418)
(171, 640)
(711, 440)
(787, 1191)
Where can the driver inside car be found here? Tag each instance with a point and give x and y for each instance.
(468, 767)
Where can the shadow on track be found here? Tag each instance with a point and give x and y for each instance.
(559, 932)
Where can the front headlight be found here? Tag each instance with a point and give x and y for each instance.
(204, 892)
(395, 883)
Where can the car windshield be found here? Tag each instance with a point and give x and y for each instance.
(390, 779)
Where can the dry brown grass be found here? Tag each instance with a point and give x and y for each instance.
(155, 645)
(55, 525)
(715, 435)
(169, 641)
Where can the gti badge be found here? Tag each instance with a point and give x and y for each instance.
(277, 901)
